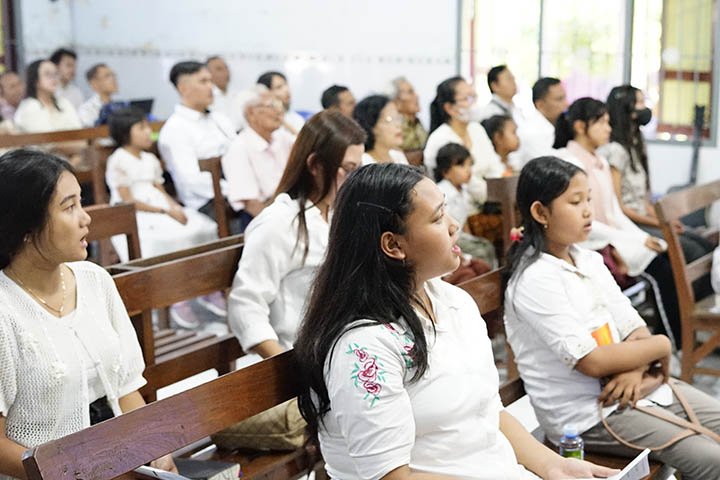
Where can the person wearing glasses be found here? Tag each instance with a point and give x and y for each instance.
(278, 263)
(450, 123)
(256, 159)
(403, 94)
(380, 119)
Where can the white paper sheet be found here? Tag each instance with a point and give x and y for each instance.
(634, 470)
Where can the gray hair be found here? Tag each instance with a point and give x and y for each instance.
(251, 97)
(392, 90)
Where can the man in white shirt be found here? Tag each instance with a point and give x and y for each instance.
(225, 100)
(537, 133)
(255, 161)
(502, 85)
(12, 90)
(193, 133)
(278, 86)
(104, 83)
(65, 60)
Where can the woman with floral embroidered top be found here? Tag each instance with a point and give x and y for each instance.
(397, 369)
(55, 310)
(582, 350)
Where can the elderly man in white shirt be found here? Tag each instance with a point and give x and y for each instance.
(537, 133)
(278, 86)
(255, 161)
(104, 83)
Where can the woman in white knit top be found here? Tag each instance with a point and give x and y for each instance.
(65, 338)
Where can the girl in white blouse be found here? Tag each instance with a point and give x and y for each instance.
(397, 369)
(135, 175)
(450, 123)
(581, 346)
(286, 242)
(65, 338)
(579, 133)
(380, 119)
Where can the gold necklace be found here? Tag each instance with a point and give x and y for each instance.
(57, 311)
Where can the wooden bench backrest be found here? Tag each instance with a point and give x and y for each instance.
(122, 444)
(110, 220)
(671, 208)
(503, 190)
(25, 139)
(161, 285)
(214, 166)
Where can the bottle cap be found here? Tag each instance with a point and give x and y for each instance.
(570, 430)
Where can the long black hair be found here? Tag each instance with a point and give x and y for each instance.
(541, 180)
(625, 130)
(27, 183)
(585, 109)
(358, 281)
(327, 135)
(445, 94)
(32, 76)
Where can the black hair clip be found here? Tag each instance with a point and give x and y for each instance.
(375, 205)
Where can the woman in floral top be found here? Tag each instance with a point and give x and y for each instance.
(398, 372)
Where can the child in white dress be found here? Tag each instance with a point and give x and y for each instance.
(135, 175)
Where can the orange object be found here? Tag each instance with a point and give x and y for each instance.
(602, 335)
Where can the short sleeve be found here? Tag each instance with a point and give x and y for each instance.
(541, 305)
(9, 355)
(131, 378)
(626, 318)
(616, 155)
(365, 380)
(117, 174)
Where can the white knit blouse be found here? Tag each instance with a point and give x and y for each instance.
(44, 391)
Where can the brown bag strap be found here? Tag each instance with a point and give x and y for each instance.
(693, 427)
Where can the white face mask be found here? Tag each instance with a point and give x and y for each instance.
(463, 114)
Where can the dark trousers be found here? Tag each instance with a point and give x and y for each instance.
(238, 221)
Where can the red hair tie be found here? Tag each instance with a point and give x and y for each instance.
(516, 234)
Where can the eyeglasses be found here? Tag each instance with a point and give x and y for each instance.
(468, 99)
(393, 119)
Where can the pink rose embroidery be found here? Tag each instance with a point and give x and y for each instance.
(369, 372)
(361, 355)
(372, 388)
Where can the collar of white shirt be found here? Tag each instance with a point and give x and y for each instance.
(255, 142)
(189, 113)
(510, 107)
(578, 255)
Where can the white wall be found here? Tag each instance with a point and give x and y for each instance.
(670, 165)
(314, 42)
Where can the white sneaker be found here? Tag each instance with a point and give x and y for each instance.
(182, 315)
(214, 302)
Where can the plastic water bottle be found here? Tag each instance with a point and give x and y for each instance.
(571, 444)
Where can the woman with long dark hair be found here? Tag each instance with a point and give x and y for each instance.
(286, 242)
(582, 350)
(450, 123)
(397, 368)
(69, 356)
(627, 156)
(579, 133)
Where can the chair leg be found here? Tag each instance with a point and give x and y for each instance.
(688, 353)
(512, 371)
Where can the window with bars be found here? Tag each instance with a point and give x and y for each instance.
(664, 47)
